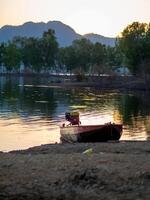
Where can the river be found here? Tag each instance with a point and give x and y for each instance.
(31, 111)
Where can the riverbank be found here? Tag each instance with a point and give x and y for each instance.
(101, 82)
(64, 171)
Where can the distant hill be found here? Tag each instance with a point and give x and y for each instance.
(101, 39)
(65, 34)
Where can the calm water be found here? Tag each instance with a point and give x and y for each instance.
(31, 112)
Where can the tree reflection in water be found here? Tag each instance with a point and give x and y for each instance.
(27, 99)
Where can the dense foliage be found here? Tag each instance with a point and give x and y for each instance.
(44, 55)
(134, 43)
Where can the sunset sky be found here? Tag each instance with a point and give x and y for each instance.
(105, 17)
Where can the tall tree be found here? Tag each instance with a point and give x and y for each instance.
(2, 51)
(49, 49)
(31, 53)
(67, 58)
(132, 45)
(98, 58)
(146, 53)
(12, 57)
(114, 56)
(83, 51)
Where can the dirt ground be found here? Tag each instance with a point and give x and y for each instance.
(66, 172)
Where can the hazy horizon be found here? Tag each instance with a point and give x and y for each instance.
(107, 18)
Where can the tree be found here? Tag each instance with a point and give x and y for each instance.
(78, 57)
(132, 44)
(49, 49)
(31, 53)
(12, 57)
(98, 58)
(83, 51)
(114, 56)
(38, 53)
(67, 58)
(146, 54)
(2, 51)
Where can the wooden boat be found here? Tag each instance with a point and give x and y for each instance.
(74, 132)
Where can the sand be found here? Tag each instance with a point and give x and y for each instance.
(62, 171)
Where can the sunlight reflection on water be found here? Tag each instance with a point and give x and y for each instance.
(31, 116)
(16, 134)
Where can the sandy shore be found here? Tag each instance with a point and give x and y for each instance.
(62, 171)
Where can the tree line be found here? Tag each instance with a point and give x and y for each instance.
(44, 54)
(132, 50)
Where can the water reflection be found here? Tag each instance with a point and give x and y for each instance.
(15, 134)
(31, 111)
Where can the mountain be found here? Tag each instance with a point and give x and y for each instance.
(65, 34)
(101, 39)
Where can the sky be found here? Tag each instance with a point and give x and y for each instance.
(104, 17)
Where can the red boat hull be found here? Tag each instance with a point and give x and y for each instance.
(96, 133)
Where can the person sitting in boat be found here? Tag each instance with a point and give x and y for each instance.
(73, 118)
